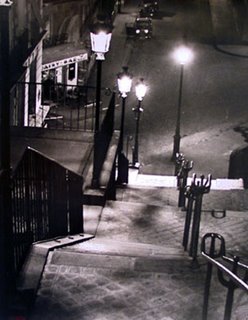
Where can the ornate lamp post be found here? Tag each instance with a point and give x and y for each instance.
(140, 90)
(182, 55)
(100, 35)
(124, 82)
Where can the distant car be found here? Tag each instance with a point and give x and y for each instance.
(149, 9)
(147, 12)
(153, 4)
(143, 27)
(150, 2)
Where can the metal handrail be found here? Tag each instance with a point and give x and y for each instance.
(234, 277)
(213, 247)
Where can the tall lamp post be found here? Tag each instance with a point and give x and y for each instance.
(124, 82)
(100, 36)
(140, 90)
(182, 55)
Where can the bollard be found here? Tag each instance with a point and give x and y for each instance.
(186, 166)
(198, 190)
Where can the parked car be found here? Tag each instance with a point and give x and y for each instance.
(140, 28)
(143, 27)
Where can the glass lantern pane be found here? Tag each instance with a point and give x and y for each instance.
(100, 42)
(124, 84)
(140, 90)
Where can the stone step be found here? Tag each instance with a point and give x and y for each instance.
(235, 200)
(125, 248)
(137, 222)
(111, 254)
(149, 180)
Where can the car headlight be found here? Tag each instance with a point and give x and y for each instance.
(137, 31)
(146, 31)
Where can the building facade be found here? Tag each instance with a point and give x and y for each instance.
(66, 57)
(26, 37)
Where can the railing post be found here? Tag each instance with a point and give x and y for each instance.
(189, 208)
(228, 278)
(231, 286)
(186, 166)
(199, 190)
(178, 163)
(213, 253)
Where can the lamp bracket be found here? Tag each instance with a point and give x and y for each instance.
(5, 3)
(100, 56)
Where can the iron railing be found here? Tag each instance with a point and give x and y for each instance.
(231, 279)
(46, 202)
(194, 194)
(66, 107)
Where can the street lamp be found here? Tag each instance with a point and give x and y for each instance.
(182, 55)
(100, 36)
(140, 90)
(124, 82)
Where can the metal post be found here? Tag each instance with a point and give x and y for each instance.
(196, 226)
(7, 282)
(198, 190)
(138, 110)
(95, 178)
(178, 163)
(189, 209)
(213, 252)
(177, 136)
(98, 94)
(186, 166)
(122, 123)
(122, 160)
(231, 286)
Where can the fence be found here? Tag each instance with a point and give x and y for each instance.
(66, 107)
(46, 202)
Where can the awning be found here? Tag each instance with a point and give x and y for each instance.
(62, 55)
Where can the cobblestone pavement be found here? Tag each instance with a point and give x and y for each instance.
(136, 268)
(176, 292)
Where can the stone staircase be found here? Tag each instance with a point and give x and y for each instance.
(135, 267)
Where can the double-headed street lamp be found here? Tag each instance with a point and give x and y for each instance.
(124, 82)
(182, 55)
(140, 90)
(100, 35)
